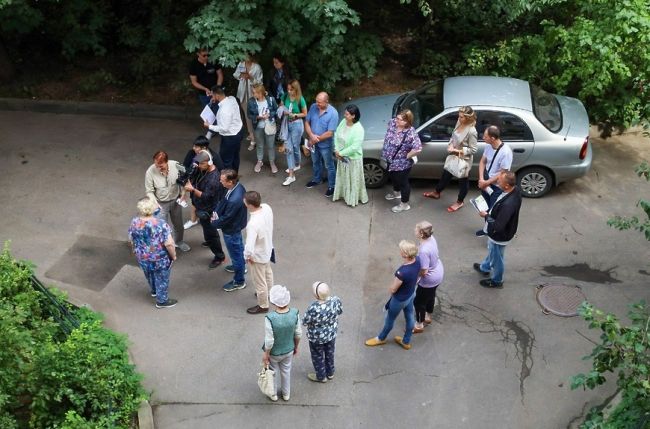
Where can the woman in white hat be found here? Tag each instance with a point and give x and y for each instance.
(321, 320)
(281, 338)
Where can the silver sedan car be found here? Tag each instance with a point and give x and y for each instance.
(548, 133)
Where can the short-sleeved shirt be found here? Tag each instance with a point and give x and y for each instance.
(206, 74)
(430, 261)
(408, 274)
(292, 106)
(321, 320)
(323, 122)
(503, 160)
(397, 144)
(148, 237)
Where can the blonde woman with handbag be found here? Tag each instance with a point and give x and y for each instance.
(462, 147)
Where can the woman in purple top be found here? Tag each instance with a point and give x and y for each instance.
(402, 294)
(153, 246)
(431, 274)
(401, 144)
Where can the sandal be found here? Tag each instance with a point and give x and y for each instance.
(455, 207)
(433, 194)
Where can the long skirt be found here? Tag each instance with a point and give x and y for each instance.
(350, 183)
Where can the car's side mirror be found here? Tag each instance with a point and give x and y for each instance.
(425, 136)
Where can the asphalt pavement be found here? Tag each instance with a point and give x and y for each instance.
(491, 359)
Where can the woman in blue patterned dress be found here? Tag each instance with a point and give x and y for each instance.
(321, 320)
(153, 246)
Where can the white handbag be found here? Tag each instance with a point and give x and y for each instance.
(457, 166)
(270, 128)
(266, 381)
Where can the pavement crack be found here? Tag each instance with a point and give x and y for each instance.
(354, 382)
(515, 333)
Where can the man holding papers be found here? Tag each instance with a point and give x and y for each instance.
(229, 126)
(500, 226)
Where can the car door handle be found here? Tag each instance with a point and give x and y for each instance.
(519, 150)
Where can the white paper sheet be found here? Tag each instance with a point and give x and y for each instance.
(208, 115)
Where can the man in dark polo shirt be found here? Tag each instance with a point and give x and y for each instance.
(204, 75)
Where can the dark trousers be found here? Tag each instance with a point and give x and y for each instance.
(491, 199)
(425, 297)
(463, 185)
(322, 357)
(211, 235)
(229, 151)
(400, 181)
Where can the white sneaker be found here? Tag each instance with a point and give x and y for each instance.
(189, 224)
(401, 207)
(286, 397)
(289, 180)
(296, 168)
(183, 246)
(393, 196)
(258, 166)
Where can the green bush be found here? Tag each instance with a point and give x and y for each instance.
(623, 350)
(49, 378)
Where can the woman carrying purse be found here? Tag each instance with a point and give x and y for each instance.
(462, 144)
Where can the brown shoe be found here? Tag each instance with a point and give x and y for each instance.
(257, 310)
(418, 330)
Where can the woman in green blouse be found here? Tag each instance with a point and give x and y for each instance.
(348, 141)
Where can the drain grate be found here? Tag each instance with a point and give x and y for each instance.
(560, 299)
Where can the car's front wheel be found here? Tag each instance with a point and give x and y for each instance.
(534, 182)
(374, 175)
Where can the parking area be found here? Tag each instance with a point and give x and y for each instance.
(491, 358)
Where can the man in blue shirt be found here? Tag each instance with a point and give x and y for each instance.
(320, 124)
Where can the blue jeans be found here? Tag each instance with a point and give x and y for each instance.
(494, 261)
(235, 246)
(491, 199)
(394, 308)
(323, 153)
(292, 145)
(322, 357)
(262, 140)
(204, 99)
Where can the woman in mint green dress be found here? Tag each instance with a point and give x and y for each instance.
(348, 142)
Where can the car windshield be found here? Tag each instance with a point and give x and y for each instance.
(425, 102)
(546, 108)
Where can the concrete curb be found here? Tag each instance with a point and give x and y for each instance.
(95, 108)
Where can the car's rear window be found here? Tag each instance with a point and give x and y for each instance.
(425, 102)
(546, 108)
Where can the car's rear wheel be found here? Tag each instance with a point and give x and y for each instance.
(534, 182)
(374, 175)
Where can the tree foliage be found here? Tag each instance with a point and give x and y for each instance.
(634, 222)
(321, 39)
(590, 49)
(624, 350)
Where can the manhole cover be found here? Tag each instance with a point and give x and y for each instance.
(560, 299)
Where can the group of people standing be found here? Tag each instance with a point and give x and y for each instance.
(221, 202)
(278, 111)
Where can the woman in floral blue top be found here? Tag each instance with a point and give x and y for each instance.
(153, 246)
(321, 320)
(401, 145)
